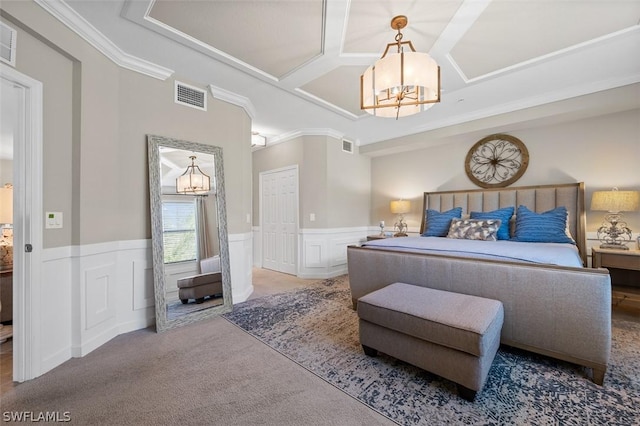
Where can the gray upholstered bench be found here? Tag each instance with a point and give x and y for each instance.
(455, 336)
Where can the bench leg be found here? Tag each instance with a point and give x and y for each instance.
(369, 351)
(598, 375)
(466, 393)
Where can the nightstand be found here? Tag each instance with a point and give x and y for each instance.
(624, 269)
(381, 237)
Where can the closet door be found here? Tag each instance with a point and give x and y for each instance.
(280, 220)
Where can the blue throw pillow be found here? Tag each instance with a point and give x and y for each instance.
(547, 227)
(437, 223)
(504, 215)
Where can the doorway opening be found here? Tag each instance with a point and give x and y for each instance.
(22, 142)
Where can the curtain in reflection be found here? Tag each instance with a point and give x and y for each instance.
(202, 236)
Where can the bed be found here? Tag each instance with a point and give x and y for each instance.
(554, 307)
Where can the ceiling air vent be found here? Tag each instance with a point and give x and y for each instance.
(8, 44)
(347, 146)
(191, 96)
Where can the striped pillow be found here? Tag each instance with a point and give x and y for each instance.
(504, 215)
(546, 227)
(437, 223)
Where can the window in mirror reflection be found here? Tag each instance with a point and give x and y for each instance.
(179, 230)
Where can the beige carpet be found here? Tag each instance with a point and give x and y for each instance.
(206, 373)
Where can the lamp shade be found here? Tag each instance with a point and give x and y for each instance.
(615, 201)
(400, 207)
(401, 83)
(393, 74)
(6, 205)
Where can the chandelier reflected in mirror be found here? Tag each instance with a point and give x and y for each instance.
(402, 83)
(193, 180)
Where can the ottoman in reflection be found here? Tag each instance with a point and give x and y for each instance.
(206, 284)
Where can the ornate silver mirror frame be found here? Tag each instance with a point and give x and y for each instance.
(164, 320)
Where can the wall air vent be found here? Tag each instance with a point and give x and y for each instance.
(347, 146)
(8, 44)
(190, 96)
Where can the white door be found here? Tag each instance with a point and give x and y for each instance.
(279, 207)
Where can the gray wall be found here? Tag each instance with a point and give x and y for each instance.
(96, 118)
(37, 58)
(333, 185)
(602, 152)
(349, 186)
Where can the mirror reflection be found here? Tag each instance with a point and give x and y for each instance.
(191, 266)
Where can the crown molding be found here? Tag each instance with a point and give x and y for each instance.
(233, 98)
(72, 19)
(305, 132)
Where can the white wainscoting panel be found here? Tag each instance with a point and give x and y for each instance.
(339, 251)
(99, 294)
(143, 296)
(93, 293)
(95, 290)
(136, 299)
(54, 302)
(315, 252)
(324, 251)
(241, 262)
(257, 246)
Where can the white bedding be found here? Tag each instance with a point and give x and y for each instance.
(547, 253)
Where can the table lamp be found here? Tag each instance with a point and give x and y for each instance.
(614, 232)
(400, 207)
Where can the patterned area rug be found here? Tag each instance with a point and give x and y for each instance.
(316, 328)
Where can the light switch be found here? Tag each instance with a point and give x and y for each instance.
(53, 220)
(312, 217)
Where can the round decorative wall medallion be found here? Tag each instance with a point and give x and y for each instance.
(496, 161)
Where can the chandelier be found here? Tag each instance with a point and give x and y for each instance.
(193, 181)
(400, 84)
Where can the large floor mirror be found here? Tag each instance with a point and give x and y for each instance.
(189, 231)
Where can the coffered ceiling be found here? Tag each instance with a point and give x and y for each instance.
(298, 62)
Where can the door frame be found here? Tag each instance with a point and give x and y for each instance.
(297, 212)
(28, 224)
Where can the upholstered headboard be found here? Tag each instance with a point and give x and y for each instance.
(538, 198)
